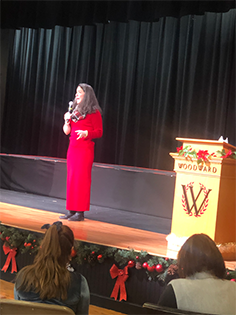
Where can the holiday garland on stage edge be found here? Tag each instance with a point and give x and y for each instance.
(22, 241)
(157, 268)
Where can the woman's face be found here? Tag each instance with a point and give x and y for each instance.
(79, 95)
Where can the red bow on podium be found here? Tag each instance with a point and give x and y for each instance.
(10, 258)
(122, 276)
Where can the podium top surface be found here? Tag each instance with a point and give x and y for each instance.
(222, 144)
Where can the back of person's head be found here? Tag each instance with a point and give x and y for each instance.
(48, 275)
(199, 253)
(56, 245)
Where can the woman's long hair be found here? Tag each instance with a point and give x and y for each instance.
(48, 275)
(89, 103)
(200, 253)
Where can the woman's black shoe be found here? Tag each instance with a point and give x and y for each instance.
(68, 215)
(78, 216)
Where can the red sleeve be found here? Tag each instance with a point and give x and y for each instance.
(97, 128)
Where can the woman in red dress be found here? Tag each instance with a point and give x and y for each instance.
(84, 124)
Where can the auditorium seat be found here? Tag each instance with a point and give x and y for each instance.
(16, 307)
(161, 310)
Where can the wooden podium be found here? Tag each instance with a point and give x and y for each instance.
(205, 195)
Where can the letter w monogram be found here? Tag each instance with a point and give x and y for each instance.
(194, 205)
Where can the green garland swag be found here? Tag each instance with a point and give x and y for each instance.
(203, 156)
(157, 268)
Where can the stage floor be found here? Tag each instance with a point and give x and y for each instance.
(104, 226)
(97, 213)
(89, 230)
(12, 213)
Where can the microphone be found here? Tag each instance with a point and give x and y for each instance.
(70, 110)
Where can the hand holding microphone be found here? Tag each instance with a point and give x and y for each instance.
(68, 114)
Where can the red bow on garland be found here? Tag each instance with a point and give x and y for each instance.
(10, 258)
(122, 276)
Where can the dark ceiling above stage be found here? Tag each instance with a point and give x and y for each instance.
(47, 14)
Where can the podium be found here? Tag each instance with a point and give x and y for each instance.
(205, 195)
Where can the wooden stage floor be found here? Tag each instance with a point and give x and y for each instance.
(90, 230)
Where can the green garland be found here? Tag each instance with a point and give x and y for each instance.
(24, 241)
(87, 253)
(203, 156)
(157, 268)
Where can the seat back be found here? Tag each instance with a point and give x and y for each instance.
(152, 308)
(17, 307)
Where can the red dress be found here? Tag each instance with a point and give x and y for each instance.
(80, 157)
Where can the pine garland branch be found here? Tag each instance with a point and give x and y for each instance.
(157, 268)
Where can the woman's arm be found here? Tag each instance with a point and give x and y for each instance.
(96, 132)
(168, 298)
(83, 305)
(97, 126)
(67, 126)
(16, 296)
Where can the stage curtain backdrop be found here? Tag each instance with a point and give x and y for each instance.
(154, 81)
(47, 14)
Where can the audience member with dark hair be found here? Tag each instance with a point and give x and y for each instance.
(48, 279)
(202, 286)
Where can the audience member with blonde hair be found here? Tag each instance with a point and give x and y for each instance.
(202, 286)
(48, 279)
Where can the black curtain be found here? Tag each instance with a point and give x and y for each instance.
(47, 14)
(154, 81)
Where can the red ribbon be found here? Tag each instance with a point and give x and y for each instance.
(122, 276)
(10, 258)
